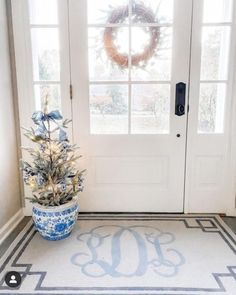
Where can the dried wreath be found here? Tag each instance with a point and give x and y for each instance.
(140, 13)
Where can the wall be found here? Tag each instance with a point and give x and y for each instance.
(10, 202)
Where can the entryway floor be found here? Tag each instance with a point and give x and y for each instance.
(230, 221)
(126, 254)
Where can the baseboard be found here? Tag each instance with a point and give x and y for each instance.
(27, 211)
(11, 225)
(231, 213)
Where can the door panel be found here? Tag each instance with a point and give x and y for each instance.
(124, 114)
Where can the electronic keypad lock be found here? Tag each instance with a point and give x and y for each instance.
(180, 99)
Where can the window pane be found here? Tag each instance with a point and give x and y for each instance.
(117, 11)
(45, 51)
(109, 109)
(152, 11)
(102, 11)
(211, 108)
(216, 11)
(150, 109)
(101, 64)
(215, 53)
(43, 12)
(155, 63)
(52, 92)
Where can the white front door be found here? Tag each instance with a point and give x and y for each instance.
(126, 59)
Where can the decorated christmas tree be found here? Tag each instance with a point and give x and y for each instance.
(52, 175)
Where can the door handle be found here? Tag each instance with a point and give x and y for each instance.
(180, 92)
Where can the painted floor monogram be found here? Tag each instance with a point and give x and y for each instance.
(153, 248)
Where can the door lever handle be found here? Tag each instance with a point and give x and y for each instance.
(180, 99)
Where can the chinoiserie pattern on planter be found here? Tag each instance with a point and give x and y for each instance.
(55, 225)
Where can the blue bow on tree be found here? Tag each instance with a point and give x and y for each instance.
(62, 135)
(39, 117)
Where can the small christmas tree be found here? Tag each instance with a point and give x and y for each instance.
(52, 175)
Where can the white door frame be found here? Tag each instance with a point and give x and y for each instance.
(26, 105)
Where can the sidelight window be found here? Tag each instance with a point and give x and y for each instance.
(44, 31)
(216, 34)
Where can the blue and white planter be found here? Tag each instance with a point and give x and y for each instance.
(55, 223)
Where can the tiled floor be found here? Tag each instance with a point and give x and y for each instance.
(13, 235)
(231, 222)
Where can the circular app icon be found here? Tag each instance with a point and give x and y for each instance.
(13, 279)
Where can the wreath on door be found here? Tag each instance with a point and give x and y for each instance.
(140, 14)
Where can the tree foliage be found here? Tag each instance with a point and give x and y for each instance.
(52, 175)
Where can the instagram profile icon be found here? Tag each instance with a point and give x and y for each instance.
(13, 279)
